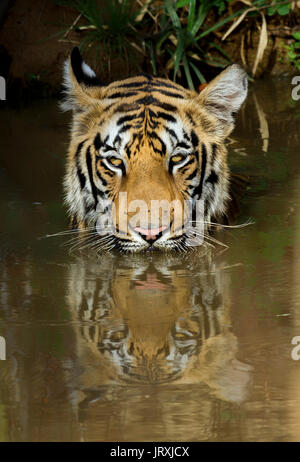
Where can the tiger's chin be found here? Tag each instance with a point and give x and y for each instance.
(177, 244)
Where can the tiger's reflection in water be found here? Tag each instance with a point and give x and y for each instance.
(159, 320)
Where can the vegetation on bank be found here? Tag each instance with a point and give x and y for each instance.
(184, 40)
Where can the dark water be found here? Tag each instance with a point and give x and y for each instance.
(191, 347)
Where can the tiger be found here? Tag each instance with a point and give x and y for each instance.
(147, 321)
(150, 140)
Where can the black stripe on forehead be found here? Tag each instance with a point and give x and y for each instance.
(152, 84)
(145, 101)
(171, 132)
(122, 95)
(107, 147)
(128, 118)
(150, 100)
(132, 84)
(127, 107)
(182, 144)
(165, 106)
(124, 129)
(171, 94)
(165, 116)
(136, 139)
(153, 136)
(117, 140)
(164, 83)
(185, 135)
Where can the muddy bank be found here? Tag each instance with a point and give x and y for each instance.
(35, 39)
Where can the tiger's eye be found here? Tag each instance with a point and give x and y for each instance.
(115, 161)
(180, 336)
(178, 158)
(117, 336)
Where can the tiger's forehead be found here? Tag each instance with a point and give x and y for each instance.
(130, 133)
(147, 85)
(145, 109)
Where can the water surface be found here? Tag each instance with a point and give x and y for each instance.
(187, 347)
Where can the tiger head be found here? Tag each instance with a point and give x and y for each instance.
(143, 141)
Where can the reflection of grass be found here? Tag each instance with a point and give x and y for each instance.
(227, 416)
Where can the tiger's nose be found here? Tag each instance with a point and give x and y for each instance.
(151, 234)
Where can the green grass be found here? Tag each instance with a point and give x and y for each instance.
(110, 25)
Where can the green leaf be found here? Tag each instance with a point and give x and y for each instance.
(226, 20)
(152, 57)
(179, 53)
(173, 15)
(221, 7)
(191, 16)
(182, 3)
(161, 41)
(292, 54)
(198, 73)
(271, 10)
(296, 35)
(220, 23)
(283, 9)
(187, 73)
(202, 13)
(223, 52)
(32, 77)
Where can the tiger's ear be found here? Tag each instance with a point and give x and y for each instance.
(224, 95)
(81, 86)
